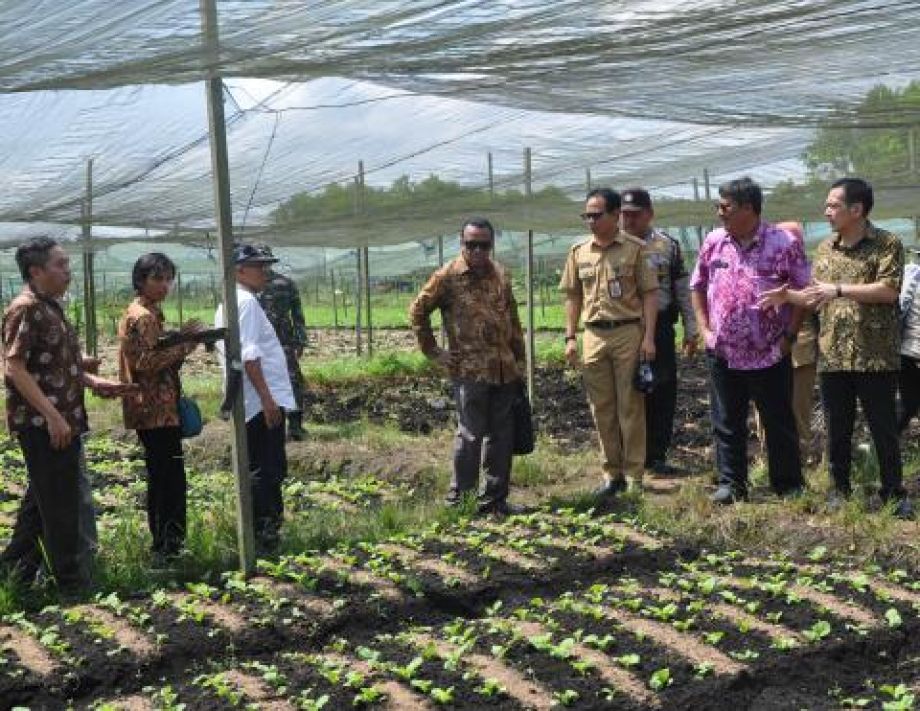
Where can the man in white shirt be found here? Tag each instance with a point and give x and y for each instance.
(266, 394)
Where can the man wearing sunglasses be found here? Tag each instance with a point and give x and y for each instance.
(484, 358)
(611, 285)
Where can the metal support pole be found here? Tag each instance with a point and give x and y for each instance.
(367, 301)
(217, 130)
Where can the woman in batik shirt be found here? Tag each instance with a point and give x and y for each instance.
(153, 410)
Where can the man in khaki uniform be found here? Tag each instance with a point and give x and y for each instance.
(611, 286)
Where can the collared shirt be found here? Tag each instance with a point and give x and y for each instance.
(281, 302)
(258, 341)
(854, 336)
(732, 278)
(673, 279)
(36, 330)
(910, 333)
(156, 370)
(611, 280)
(480, 315)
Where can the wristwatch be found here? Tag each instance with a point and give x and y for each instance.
(571, 338)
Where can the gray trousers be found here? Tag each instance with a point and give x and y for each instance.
(484, 438)
(89, 539)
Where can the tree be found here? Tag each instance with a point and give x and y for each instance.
(877, 146)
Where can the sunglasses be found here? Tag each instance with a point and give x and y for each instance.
(473, 245)
(592, 216)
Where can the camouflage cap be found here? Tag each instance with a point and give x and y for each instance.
(252, 254)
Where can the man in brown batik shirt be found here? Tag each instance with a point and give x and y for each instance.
(45, 378)
(484, 359)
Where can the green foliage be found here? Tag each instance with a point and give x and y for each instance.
(868, 150)
(432, 193)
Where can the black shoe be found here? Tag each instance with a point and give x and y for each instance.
(727, 494)
(796, 492)
(663, 468)
(610, 489)
(498, 508)
(904, 510)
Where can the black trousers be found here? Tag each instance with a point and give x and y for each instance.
(661, 402)
(166, 488)
(731, 392)
(909, 385)
(485, 432)
(876, 394)
(267, 469)
(49, 514)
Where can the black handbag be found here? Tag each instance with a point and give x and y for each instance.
(524, 436)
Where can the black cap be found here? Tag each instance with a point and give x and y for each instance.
(252, 254)
(636, 199)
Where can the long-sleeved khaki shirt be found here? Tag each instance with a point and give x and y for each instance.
(480, 315)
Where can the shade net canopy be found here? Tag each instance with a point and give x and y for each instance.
(650, 92)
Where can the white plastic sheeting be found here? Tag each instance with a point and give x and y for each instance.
(645, 92)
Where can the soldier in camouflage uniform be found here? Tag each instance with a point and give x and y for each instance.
(484, 358)
(281, 302)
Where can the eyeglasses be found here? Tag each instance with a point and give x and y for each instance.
(592, 216)
(472, 245)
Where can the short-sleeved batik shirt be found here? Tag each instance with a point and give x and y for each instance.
(732, 279)
(854, 336)
(36, 330)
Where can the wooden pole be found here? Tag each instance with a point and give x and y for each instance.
(358, 287)
(531, 357)
(528, 193)
(491, 178)
(217, 130)
(335, 299)
(706, 187)
(367, 301)
(359, 280)
(912, 150)
(441, 264)
(179, 294)
(587, 180)
(528, 187)
(89, 282)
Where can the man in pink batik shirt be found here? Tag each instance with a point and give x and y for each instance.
(747, 348)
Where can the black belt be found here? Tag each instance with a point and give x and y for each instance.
(610, 324)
